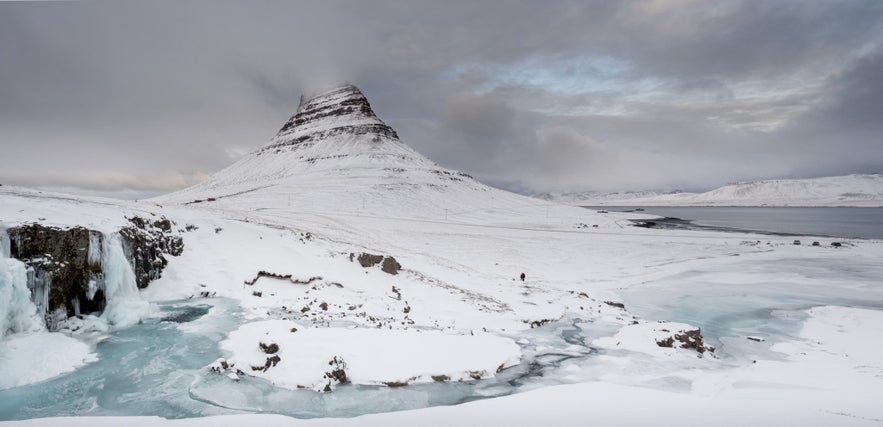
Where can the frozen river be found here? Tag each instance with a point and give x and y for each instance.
(159, 367)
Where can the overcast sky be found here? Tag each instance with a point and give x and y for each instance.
(130, 99)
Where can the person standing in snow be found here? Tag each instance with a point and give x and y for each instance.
(522, 277)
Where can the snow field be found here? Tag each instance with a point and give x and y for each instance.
(368, 356)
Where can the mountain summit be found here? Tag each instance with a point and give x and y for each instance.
(329, 113)
(335, 154)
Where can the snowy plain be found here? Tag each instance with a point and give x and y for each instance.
(454, 336)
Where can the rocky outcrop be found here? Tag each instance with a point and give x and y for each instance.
(689, 339)
(146, 243)
(388, 264)
(65, 266)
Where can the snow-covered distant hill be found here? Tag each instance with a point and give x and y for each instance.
(848, 190)
(593, 198)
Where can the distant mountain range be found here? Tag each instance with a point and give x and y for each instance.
(848, 190)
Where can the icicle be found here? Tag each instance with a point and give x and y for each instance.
(92, 288)
(124, 304)
(5, 250)
(94, 254)
(17, 312)
(38, 284)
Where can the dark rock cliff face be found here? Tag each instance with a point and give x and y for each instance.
(62, 267)
(65, 271)
(146, 244)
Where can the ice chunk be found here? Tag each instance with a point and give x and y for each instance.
(31, 358)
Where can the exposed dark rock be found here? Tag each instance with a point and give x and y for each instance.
(538, 323)
(288, 277)
(337, 374)
(146, 245)
(60, 267)
(271, 348)
(615, 304)
(388, 264)
(395, 383)
(369, 260)
(690, 339)
(441, 378)
(163, 224)
(269, 363)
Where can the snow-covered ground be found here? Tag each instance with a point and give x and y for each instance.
(270, 295)
(849, 190)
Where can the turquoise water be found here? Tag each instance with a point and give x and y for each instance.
(145, 369)
(866, 223)
(159, 368)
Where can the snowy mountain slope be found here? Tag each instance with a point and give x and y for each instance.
(336, 155)
(848, 190)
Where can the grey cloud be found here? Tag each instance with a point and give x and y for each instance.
(686, 94)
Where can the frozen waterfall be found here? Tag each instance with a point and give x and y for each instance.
(5, 250)
(124, 304)
(17, 312)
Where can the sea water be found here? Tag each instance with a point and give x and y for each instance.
(844, 222)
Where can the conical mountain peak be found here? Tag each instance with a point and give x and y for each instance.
(338, 111)
(335, 154)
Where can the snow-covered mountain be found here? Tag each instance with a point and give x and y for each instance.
(848, 190)
(335, 154)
